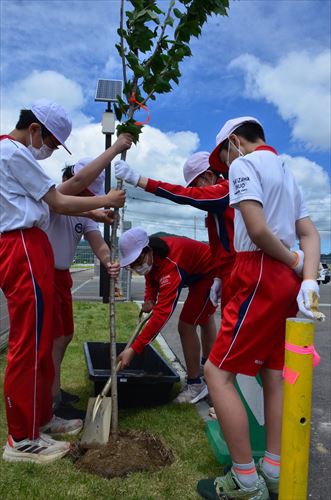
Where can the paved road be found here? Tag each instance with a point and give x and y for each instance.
(86, 286)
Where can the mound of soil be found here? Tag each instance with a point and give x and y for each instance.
(132, 451)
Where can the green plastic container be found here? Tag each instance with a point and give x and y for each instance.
(250, 391)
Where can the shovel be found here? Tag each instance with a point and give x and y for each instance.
(98, 414)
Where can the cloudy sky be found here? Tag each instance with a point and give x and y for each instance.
(269, 59)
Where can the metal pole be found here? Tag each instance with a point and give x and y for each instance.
(104, 277)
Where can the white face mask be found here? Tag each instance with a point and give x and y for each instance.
(144, 268)
(228, 155)
(40, 153)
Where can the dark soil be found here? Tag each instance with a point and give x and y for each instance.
(133, 451)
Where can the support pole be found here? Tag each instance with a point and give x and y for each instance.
(298, 375)
(104, 284)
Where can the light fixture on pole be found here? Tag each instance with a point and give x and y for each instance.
(107, 91)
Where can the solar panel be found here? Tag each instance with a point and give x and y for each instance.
(107, 90)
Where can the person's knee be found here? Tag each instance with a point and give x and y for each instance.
(185, 328)
(216, 376)
(67, 340)
(208, 371)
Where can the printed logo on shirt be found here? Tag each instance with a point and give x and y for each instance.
(165, 280)
(79, 228)
(240, 184)
(258, 362)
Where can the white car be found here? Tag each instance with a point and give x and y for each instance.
(324, 275)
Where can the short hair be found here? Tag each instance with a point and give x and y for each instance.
(251, 131)
(26, 118)
(158, 245)
(68, 172)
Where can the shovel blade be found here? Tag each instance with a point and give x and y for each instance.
(96, 431)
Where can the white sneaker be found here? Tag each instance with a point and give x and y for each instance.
(192, 393)
(58, 426)
(40, 450)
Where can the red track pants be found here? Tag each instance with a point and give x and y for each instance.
(26, 278)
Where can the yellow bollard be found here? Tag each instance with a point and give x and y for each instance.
(296, 409)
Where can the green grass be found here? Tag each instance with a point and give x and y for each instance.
(179, 426)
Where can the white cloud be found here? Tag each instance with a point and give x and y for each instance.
(42, 84)
(157, 155)
(113, 67)
(299, 86)
(315, 184)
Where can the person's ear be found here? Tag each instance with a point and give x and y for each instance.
(234, 139)
(33, 128)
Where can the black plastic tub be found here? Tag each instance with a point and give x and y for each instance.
(148, 381)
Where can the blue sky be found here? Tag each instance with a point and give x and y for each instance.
(269, 59)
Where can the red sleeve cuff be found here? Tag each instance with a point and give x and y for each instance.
(151, 186)
(137, 346)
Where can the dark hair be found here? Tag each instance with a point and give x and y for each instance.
(251, 131)
(158, 246)
(67, 172)
(26, 118)
(215, 172)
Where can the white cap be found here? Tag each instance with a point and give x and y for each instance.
(195, 165)
(228, 128)
(131, 244)
(54, 118)
(97, 186)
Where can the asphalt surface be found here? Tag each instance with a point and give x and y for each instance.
(86, 287)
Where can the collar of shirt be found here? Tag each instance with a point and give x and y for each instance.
(265, 147)
(2, 137)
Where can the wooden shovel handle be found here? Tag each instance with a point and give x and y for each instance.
(135, 334)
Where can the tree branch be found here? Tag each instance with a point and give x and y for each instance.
(149, 60)
(122, 43)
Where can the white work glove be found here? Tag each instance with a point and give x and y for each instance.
(298, 266)
(215, 292)
(307, 300)
(124, 172)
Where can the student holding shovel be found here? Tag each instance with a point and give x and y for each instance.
(169, 264)
(27, 280)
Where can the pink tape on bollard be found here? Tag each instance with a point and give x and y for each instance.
(291, 376)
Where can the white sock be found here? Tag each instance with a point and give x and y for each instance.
(246, 473)
(271, 465)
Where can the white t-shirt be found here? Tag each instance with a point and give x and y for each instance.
(23, 183)
(264, 177)
(64, 233)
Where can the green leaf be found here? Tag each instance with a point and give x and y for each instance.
(118, 112)
(177, 13)
(131, 128)
(153, 16)
(162, 85)
(169, 21)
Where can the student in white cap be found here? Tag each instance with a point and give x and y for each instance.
(269, 215)
(27, 277)
(206, 190)
(64, 233)
(169, 264)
